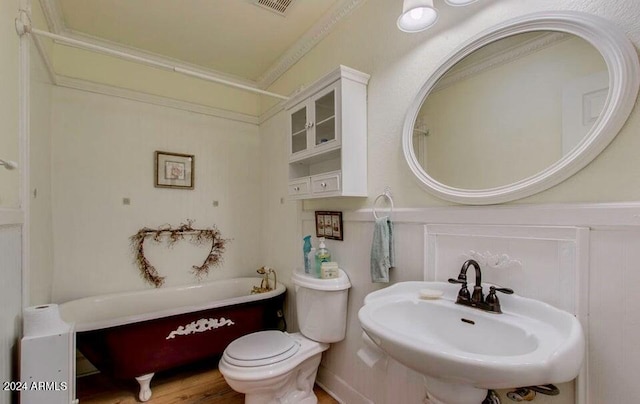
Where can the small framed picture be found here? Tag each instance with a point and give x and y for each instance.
(329, 225)
(174, 170)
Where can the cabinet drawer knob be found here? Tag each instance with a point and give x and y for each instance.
(296, 188)
(323, 184)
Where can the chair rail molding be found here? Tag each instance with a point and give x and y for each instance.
(593, 215)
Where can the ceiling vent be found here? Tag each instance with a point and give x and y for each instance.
(279, 7)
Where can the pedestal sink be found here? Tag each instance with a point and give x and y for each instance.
(464, 351)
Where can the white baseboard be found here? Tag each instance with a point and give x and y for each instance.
(339, 389)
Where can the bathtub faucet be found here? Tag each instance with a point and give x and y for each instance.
(264, 285)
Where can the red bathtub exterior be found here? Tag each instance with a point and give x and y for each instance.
(136, 349)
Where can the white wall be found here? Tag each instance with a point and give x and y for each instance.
(11, 217)
(280, 222)
(10, 304)
(103, 151)
(9, 68)
(40, 214)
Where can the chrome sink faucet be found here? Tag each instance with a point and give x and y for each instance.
(477, 300)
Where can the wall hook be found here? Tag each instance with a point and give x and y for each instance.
(8, 164)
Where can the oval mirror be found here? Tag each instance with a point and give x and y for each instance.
(521, 107)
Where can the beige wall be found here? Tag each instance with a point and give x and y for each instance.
(399, 64)
(103, 151)
(9, 74)
(80, 64)
(40, 213)
(39, 21)
(10, 221)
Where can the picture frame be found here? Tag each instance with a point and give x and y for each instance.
(329, 225)
(174, 170)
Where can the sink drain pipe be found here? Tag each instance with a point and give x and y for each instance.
(529, 393)
(492, 398)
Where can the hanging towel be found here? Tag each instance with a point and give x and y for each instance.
(382, 250)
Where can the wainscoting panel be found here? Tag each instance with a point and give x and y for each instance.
(582, 258)
(536, 261)
(614, 354)
(10, 303)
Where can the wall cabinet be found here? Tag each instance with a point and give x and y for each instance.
(327, 138)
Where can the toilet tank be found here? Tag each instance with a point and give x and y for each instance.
(321, 306)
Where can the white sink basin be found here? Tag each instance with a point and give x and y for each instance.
(459, 347)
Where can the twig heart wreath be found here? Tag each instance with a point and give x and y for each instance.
(196, 236)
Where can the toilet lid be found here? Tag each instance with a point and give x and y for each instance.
(261, 348)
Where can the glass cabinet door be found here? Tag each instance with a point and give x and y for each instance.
(325, 118)
(299, 130)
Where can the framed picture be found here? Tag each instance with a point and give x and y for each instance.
(329, 225)
(174, 170)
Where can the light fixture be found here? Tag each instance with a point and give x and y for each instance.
(457, 3)
(417, 15)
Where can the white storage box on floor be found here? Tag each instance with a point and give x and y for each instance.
(47, 357)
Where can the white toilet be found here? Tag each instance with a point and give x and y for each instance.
(278, 367)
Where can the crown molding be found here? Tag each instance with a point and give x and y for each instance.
(270, 113)
(46, 59)
(80, 36)
(119, 92)
(53, 14)
(311, 38)
(55, 19)
(85, 85)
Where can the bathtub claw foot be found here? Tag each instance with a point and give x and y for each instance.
(145, 390)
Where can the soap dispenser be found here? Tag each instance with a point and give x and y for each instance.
(322, 255)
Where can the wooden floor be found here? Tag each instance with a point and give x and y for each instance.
(197, 384)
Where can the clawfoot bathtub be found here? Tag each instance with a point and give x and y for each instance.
(136, 334)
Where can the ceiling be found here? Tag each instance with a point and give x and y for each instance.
(232, 37)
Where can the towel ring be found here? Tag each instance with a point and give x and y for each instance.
(385, 194)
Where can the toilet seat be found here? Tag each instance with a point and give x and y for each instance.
(261, 349)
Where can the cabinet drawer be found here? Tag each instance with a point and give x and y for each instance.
(325, 183)
(299, 187)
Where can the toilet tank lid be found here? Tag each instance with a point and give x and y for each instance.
(311, 282)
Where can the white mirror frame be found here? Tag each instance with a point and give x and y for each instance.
(624, 79)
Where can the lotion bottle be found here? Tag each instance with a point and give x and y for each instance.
(322, 255)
